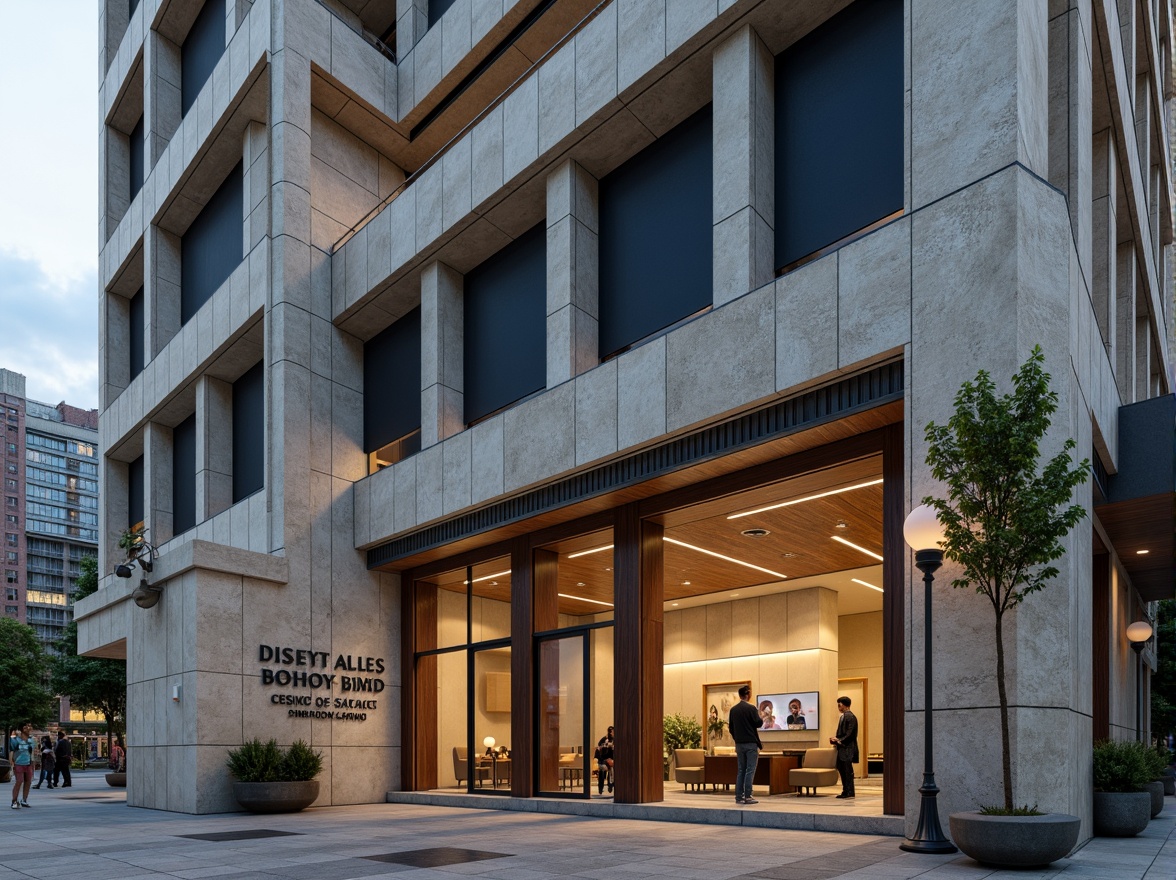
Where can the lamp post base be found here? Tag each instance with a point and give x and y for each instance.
(928, 837)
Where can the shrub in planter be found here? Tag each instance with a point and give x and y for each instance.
(272, 779)
(679, 732)
(1122, 808)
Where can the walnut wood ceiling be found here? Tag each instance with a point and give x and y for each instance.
(798, 545)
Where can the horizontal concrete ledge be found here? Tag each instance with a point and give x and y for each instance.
(605, 809)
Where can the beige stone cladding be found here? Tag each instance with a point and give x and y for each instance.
(1036, 210)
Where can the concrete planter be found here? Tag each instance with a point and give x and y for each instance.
(1014, 841)
(276, 797)
(117, 780)
(1156, 790)
(1169, 783)
(1121, 813)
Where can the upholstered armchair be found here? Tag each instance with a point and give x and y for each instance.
(461, 767)
(820, 768)
(689, 767)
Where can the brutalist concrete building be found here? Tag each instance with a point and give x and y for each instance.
(489, 372)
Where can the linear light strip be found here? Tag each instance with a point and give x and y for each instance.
(864, 584)
(721, 556)
(593, 550)
(488, 577)
(582, 599)
(869, 553)
(805, 498)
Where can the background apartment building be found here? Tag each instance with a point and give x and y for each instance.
(50, 506)
(531, 367)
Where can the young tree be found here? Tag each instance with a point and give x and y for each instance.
(91, 682)
(23, 668)
(1163, 683)
(1003, 519)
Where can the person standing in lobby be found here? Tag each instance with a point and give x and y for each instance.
(744, 722)
(63, 754)
(847, 747)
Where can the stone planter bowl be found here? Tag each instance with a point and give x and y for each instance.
(276, 797)
(1169, 783)
(1156, 790)
(1121, 813)
(1014, 841)
(117, 780)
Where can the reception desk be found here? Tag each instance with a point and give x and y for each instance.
(771, 770)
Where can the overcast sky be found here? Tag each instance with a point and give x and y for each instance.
(49, 197)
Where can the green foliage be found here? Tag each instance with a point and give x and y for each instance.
(1004, 517)
(302, 762)
(1157, 761)
(1002, 810)
(130, 539)
(91, 683)
(1163, 683)
(256, 761)
(715, 727)
(1121, 766)
(23, 666)
(681, 732)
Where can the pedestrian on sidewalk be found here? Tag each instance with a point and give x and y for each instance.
(21, 749)
(62, 753)
(47, 762)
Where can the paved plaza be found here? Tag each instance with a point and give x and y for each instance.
(88, 833)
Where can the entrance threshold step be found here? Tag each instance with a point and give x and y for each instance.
(754, 817)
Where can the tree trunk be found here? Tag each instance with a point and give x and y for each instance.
(1005, 750)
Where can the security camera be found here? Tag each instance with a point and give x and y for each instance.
(145, 596)
(124, 569)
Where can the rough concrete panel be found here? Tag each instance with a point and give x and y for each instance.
(806, 323)
(874, 293)
(641, 394)
(537, 437)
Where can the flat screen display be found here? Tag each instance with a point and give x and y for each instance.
(799, 711)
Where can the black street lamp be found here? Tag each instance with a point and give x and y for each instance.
(924, 534)
(1138, 635)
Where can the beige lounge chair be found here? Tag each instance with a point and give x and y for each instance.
(820, 768)
(461, 766)
(689, 767)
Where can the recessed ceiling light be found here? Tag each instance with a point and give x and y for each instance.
(755, 533)
(582, 599)
(488, 577)
(721, 556)
(581, 584)
(841, 540)
(864, 584)
(494, 583)
(788, 555)
(685, 583)
(805, 498)
(673, 604)
(588, 552)
(1142, 552)
(734, 595)
(608, 569)
(842, 524)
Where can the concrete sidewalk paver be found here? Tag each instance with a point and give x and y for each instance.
(88, 833)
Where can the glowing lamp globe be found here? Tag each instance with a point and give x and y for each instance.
(1139, 632)
(922, 529)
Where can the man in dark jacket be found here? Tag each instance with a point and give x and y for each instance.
(847, 747)
(605, 750)
(62, 753)
(744, 722)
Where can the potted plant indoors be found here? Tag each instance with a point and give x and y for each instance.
(1003, 522)
(714, 729)
(1122, 808)
(275, 780)
(679, 732)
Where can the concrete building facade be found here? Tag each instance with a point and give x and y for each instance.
(50, 461)
(574, 367)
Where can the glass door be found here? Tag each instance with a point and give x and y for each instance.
(563, 716)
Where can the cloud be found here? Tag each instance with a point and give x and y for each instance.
(50, 323)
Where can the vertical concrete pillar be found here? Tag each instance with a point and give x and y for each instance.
(157, 481)
(114, 516)
(1104, 228)
(1126, 283)
(1070, 139)
(255, 186)
(161, 99)
(744, 166)
(1143, 353)
(442, 364)
(573, 273)
(214, 447)
(114, 349)
(161, 289)
(1127, 39)
(412, 20)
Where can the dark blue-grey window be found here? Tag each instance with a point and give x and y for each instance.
(505, 340)
(136, 145)
(202, 49)
(392, 383)
(137, 321)
(437, 9)
(184, 475)
(132, 5)
(839, 136)
(249, 433)
(211, 248)
(655, 236)
(135, 492)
